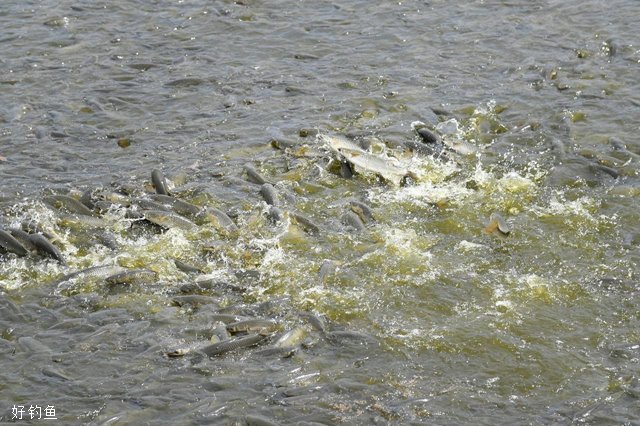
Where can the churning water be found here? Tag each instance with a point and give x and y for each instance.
(427, 317)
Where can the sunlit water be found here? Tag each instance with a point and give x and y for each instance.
(457, 325)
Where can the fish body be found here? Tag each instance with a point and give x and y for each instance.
(45, 248)
(132, 276)
(159, 182)
(233, 344)
(176, 205)
(11, 244)
(255, 324)
(169, 220)
(269, 194)
(253, 175)
(386, 167)
(497, 223)
(68, 204)
(218, 219)
(351, 219)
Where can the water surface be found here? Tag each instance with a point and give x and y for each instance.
(458, 326)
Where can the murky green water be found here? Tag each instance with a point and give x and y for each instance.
(451, 324)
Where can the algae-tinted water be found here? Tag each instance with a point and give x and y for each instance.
(451, 324)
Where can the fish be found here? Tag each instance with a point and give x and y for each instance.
(82, 221)
(254, 324)
(460, 146)
(605, 169)
(255, 420)
(328, 267)
(233, 344)
(10, 244)
(159, 182)
(339, 336)
(315, 321)
(97, 272)
(169, 220)
(346, 171)
(227, 318)
(428, 136)
(178, 206)
(177, 353)
(194, 300)
(147, 204)
(87, 199)
(364, 212)
(45, 248)
(253, 175)
(219, 332)
(107, 239)
(353, 220)
(132, 276)
(56, 373)
(305, 223)
(497, 223)
(284, 144)
(114, 197)
(291, 338)
(269, 194)
(218, 219)
(68, 204)
(103, 206)
(29, 344)
(390, 169)
(275, 214)
(23, 238)
(187, 269)
(33, 227)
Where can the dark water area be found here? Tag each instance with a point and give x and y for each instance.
(423, 317)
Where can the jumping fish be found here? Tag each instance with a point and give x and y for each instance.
(390, 169)
(305, 223)
(291, 338)
(68, 204)
(364, 212)
(219, 332)
(269, 194)
(497, 222)
(10, 244)
(218, 219)
(33, 227)
(178, 206)
(168, 220)
(233, 344)
(23, 238)
(351, 219)
(186, 268)
(45, 247)
(159, 182)
(253, 175)
(460, 146)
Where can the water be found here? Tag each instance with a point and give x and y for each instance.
(460, 326)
